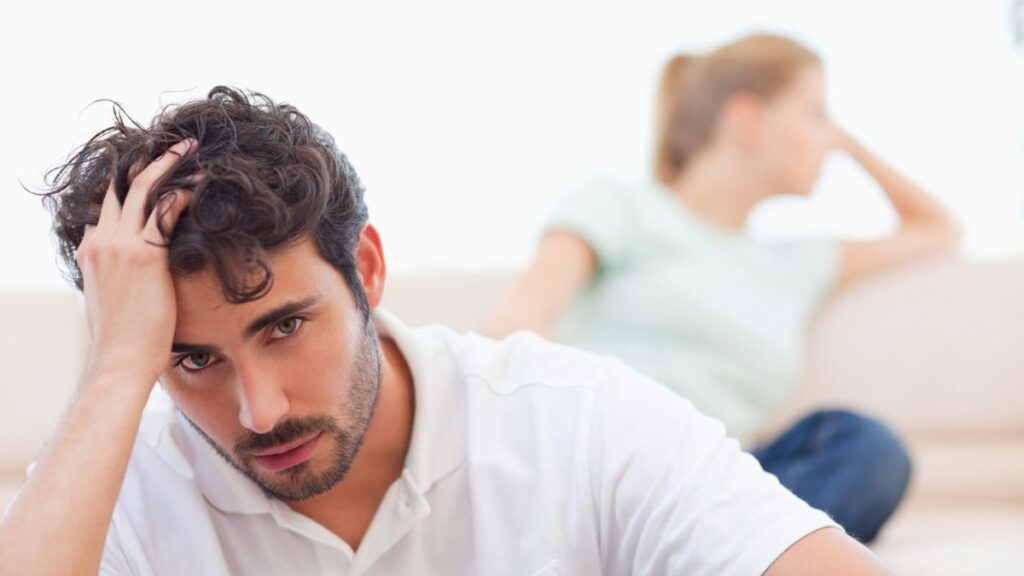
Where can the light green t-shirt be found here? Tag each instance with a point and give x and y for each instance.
(715, 315)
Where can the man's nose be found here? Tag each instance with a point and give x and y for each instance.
(262, 402)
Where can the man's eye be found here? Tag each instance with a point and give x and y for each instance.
(287, 327)
(196, 360)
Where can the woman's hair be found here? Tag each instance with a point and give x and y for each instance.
(268, 177)
(693, 90)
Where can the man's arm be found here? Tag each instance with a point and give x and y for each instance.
(59, 520)
(69, 497)
(827, 551)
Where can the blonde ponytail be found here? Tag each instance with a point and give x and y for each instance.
(693, 91)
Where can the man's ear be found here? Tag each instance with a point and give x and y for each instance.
(370, 265)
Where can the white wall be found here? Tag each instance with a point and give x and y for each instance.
(466, 120)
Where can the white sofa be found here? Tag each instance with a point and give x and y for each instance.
(934, 350)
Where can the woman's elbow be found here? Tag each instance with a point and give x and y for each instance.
(949, 235)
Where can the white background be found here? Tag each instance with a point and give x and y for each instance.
(466, 120)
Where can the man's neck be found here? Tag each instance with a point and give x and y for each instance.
(348, 508)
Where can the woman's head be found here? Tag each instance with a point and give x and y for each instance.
(763, 95)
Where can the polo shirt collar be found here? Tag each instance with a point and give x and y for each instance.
(438, 444)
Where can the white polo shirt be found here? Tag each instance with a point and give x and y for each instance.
(526, 458)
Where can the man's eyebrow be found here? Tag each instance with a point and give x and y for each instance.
(277, 314)
(186, 348)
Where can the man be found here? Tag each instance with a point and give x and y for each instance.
(297, 429)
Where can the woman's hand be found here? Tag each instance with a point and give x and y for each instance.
(925, 227)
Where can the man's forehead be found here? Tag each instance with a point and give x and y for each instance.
(298, 273)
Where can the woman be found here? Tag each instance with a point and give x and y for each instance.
(663, 276)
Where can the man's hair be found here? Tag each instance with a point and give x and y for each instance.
(263, 176)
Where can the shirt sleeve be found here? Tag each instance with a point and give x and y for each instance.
(676, 496)
(597, 211)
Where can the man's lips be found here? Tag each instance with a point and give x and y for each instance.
(287, 455)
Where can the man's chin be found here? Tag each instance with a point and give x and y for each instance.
(299, 482)
(292, 492)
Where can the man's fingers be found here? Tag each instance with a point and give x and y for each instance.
(165, 215)
(83, 246)
(133, 217)
(135, 168)
(110, 210)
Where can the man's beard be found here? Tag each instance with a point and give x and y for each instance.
(359, 407)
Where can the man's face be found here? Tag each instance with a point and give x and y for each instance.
(284, 387)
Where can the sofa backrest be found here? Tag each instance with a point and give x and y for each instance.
(936, 347)
(42, 353)
(933, 348)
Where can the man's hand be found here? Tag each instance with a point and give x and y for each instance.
(130, 304)
(129, 293)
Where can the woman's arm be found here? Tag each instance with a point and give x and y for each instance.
(564, 264)
(925, 226)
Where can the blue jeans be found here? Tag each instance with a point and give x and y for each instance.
(851, 467)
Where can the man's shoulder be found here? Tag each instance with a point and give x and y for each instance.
(525, 371)
(524, 363)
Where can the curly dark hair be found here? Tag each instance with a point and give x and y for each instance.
(269, 177)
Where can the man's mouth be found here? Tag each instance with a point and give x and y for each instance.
(287, 455)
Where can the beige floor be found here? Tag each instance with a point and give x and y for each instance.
(955, 539)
